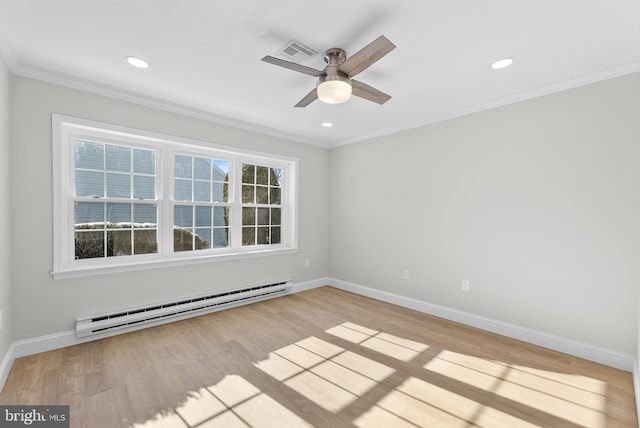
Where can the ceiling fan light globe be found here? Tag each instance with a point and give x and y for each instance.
(334, 91)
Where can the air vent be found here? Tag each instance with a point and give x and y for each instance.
(296, 52)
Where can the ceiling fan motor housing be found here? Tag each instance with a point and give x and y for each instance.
(334, 86)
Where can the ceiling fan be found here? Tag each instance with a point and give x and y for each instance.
(335, 83)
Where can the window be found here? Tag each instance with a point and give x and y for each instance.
(127, 199)
(125, 177)
(201, 212)
(261, 205)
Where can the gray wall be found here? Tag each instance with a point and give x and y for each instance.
(44, 306)
(537, 204)
(6, 335)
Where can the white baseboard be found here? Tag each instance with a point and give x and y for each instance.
(636, 386)
(568, 346)
(308, 285)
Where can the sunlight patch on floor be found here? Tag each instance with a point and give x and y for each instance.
(263, 411)
(278, 367)
(167, 419)
(417, 403)
(325, 394)
(458, 390)
(384, 343)
(559, 407)
(363, 365)
(575, 399)
(325, 373)
(231, 403)
(199, 407)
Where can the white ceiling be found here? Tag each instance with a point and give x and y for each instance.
(205, 55)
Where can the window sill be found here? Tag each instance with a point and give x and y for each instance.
(91, 270)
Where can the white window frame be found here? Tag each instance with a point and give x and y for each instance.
(65, 131)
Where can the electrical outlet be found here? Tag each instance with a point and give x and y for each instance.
(465, 285)
(405, 274)
(307, 263)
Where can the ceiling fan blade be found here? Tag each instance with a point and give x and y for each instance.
(367, 92)
(308, 99)
(366, 56)
(293, 66)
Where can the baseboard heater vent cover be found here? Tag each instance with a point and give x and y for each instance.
(180, 309)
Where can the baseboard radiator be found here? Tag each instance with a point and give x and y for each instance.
(180, 309)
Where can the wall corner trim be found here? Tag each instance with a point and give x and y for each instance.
(578, 349)
(636, 385)
(6, 363)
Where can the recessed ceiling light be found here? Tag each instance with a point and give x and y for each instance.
(327, 124)
(137, 62)
(502, 63)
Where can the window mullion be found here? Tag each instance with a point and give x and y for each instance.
(165, 210)
(235, 188)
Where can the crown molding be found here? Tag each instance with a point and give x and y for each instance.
(588, 79)
(112, 91)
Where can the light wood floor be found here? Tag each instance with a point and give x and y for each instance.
(322, 358)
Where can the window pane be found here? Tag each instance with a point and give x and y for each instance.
(221, 216)
(89, 245)
(119, 213)
(183, 216)
(262, 195)
(248, 216)
(118, 158)
(203, 216)
(145, 241)
(220, 170)
(182, 166)
(202, 191)
(275, 216)
(262, 175)
(220, 192)
(276, 177)
(144, 161)
(202, 168)
(247, 194)
(263, 236)
(89, 155)
(145, 215)
(248, 236)
(118, 185)
(248, 173)
(275, 235)
(89, 215)
(275, 196)
(89, 183)
(144, 187)
(118, 243)
(203, 239)
(263, 215)
(182, 190)
(220, 238)
(182, 240)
